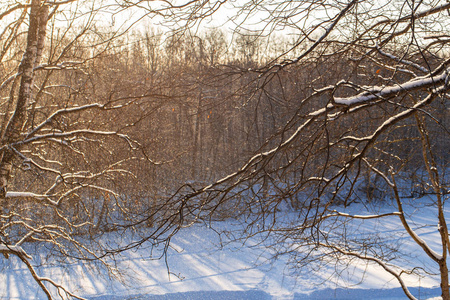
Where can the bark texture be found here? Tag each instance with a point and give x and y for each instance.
(31, 58)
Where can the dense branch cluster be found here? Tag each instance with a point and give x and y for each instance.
(140, 132)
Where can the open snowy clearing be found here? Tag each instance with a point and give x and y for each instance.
(200, 270)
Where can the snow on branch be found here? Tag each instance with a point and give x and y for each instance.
(27, 162)
(24, 195)
(380, 92)
(83, 186)
(403, 61)
(10, 249)
(392, 120)
(335, 213)
(63, 65)
(74, 133)
(62, 112)
(30, 195)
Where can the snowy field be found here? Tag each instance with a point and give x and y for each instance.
(200, 270)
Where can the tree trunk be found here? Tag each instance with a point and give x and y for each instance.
(31, 58)
(444, 280)
(431, 166)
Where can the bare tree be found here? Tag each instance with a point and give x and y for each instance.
(69, 156)
(375, 85)
(354, 105)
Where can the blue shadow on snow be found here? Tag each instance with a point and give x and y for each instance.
(206, 295)
(325, 294)
(353, 294)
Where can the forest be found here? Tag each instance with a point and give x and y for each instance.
(111, 123)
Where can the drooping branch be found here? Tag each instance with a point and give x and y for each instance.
(388, 268)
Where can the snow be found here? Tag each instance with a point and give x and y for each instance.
(376, 92)
(201, 269)
(4, 248)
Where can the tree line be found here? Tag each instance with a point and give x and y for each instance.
(142, 132)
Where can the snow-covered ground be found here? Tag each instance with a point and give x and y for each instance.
(200, 270)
